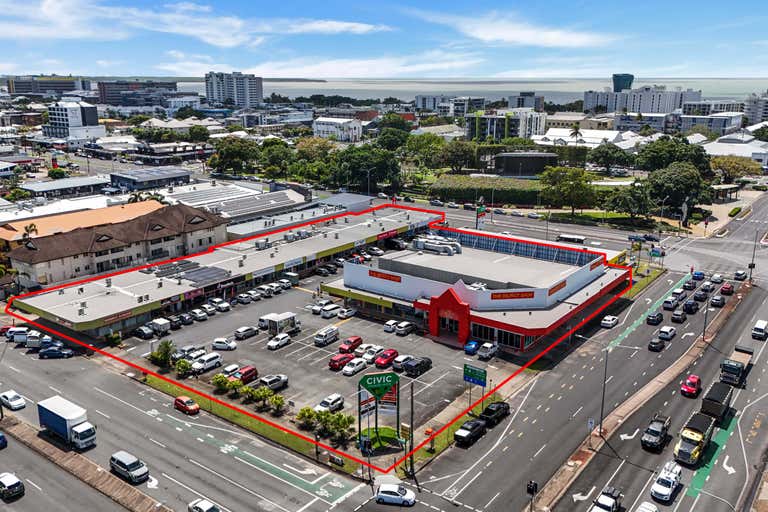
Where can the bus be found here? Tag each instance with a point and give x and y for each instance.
(573, 239)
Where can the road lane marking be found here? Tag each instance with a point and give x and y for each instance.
(105, 415)
(33, 484)
(158, 443)
(491, 500)
(222, 507)
(538, 451)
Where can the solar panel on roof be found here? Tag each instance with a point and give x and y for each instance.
(205, 275)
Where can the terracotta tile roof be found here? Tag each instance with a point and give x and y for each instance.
(168, 221)
(65, 222)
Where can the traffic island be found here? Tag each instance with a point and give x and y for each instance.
(81, 467)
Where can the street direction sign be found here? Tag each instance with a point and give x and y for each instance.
(474, 375)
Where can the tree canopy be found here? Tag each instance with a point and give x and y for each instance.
(353, 163)
(660, 153)
(393, 120)
(635, 200)
(734, 167)
(198, 134)
(676, 182)
(313, 148)
(392, 138)
(187, 111)
(457, 154)
(569, 186)
(607, 155)
(234, 155)
(425, 149)
(761, 134)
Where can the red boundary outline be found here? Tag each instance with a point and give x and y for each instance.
(434, 224)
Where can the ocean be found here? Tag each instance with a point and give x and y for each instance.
(554, 90)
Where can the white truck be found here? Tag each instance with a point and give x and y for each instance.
(608, 501)
(67, 421)
(487, 350)
(160, 326)
(34, 338)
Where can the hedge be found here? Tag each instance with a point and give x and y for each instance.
(735, 211)
(761, 188)
(454, 187)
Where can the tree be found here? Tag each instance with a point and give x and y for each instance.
(57, 174)
(187, 111)
(234, 155)
(435, 121)
(183, 367)
(262, 394)
(575, 130)
(353, 164)
(198, 134)
(676, 182)
(732, 168)
(425, 149)
(29, 230)
(162, 356)
(393, 120)
(518, 143)
(235, 386)
(277, 155)
(702, 130)
(324, 420)
(661, 153)
(340, 425)
(313, 148)
(607, 155)
(307, 418)
(220, 382)
(235, 128)
(137, 119)
(18, 194)
(392, 138)
(278, 403)
(569, 186)
(761, 134)
(646, 131)
(634, 200)
(457, 154)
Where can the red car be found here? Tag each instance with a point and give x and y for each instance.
(385, 358)
(338, 361)
(726, 289)
(350, 344)
(186, 405)
(691, 386)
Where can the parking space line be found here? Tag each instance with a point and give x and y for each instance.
(430, 384)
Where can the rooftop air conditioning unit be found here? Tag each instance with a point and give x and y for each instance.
(139, 299)
(81, 312)
(80, 290)
(83, 305)
(146, 297)
(61, 291)
(159, 283)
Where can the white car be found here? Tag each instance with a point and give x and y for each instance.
(365, 256)
(230, 369)
(534, 215)
(199, 315)
(717, 278)
(376, 251)
(395, 494)
(362, 349)
(278, 341)
(318, 306)
(332, 403)
(12, 400)
(202, 505)
(390, 326)
(347, 313)
(356, 365)
(244, 298)
(10, 486)
(609, 321)
(382, 195)
(372, 353)
(647, 506)
(209, 310)
(516, 213)
(223, 306)
(400, 360)
(215, 301)
(286, 284)
(254, 295)
(665, 486)
(667, 332)
(223, 344)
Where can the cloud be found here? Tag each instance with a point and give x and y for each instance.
(92, 19)
(508, 29)
(321, 67)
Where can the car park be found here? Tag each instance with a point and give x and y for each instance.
(717, 301)
(494, 413)
(55, 353)
(223, 344)
(350, 344)
(700, 295)
(196, 354)
(202, 505)
(469, 432)
(656, 345)
(279, 341)
(717, 278)
(326, 335)
(417, 366)
(691, 386)
(654, 318)
(12, 400)
(244, 298)
(405, 328)
(331, 403)
(740, 275)
(182, 353)
(206, 363)
(372, 353)
(609, 321)
(318, 306)
(330, 311)
(245, 332)
(186, 405)
(471, 347)
(10, 486)
(129, 467)
(386, 358)
(667, 332)
(679, 316)
(390, 325)
(355, 365)
(245, 374)
(209, 309)
(362, 349)
(726, 289)
(690, 307)
(346, 313)
(400, 360)
(395, 494)
(275, 382)
(254, 295)
(199, 315)
(339, 361)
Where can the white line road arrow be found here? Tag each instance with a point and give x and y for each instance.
(152, 483)
(669, 281)
(582, 496)
(306, 471)
(726, 467)
(625, 437)
(686, 335)
(648, 300)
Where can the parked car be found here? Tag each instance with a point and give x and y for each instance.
(355, 365)
(700, 295)
(186, 405)
(362, 349)
(400, 360)
(223, 306)
(726, 289)
(691, 386)
(740, 275)
(223, 344)
(229, 369)
(469, 432)
(698, 275)
(609, 321)
(186, 319)
(717, 301)
(182, 353)
(144, 332)
(390, 325)
(707, 286)
(386, 358)
(471, 347)
(654, 318)
(376, 251)
(274, 382)
(199, 315)
(245, 374)
(350, 344)
(209, 309)
(395, 494)
(331, 403)
(278, 341)
(494, 413)
(339, 361)
(339, 262)
(534, 215)
(246, 331)
(372, 353)
(55, 353)
(322, 272)
(417, 366)
(206, 363)
(405, 328)
(176, 322)
(318, 306)
(12, 400)
(717, 278)
(244, 298)
(254, 295)
(667, 332)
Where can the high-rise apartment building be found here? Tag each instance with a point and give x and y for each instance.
(526, 99)
(647, 100)
(708, 107)
(431, 101)
(756, 108)
(518, 122)
(242, 90)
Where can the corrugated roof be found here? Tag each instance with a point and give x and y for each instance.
(64, 183)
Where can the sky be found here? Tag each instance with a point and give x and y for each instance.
(383, 39)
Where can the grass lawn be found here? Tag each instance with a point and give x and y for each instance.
(387, 436)
(258, 427)
(641, 284)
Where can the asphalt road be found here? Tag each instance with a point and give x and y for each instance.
(188, 457)
(47, 486)
(736, 450)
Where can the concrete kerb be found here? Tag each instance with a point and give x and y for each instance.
(83, 468)
(557, 486)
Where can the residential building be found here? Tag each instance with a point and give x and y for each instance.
(431, 101)
(73, 120)
(585, 138)
(646, 99)
(519, 122)
(169, 232)
(51, 85)
(622, 81)
(243, 90)
(756, 108)
(707, 107)
(460, 106)
(174, 103)
(342, 130)
(635, 122)
(526, 99)
(721, 123)
(119, 92)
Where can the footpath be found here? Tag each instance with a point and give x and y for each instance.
(558, 485)
(82, 468)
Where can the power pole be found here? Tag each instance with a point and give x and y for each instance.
(413, 467)
(602, 399)
(752, 264)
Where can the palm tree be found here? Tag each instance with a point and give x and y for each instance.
(575, 130)
(29, 229)
(136, 197)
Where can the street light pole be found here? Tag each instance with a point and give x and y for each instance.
(662, 213)
(752, 264)
(704, 329)
(602, 398)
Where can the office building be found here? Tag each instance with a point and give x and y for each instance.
(242, 90)
(120, 92)
(342, 130)
(431, 101)
(622, 81)
(527, 99)
(460, 106)
(756, 108)
(51, 85)
(721, 123)
(707, 107)
(73, 120)
(519, 122)
(646, 100)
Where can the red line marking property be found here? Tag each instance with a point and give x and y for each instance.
(435, 225)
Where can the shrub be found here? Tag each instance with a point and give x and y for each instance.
(306, 418)
(235, 386)
(501, 190)
(183, 367)
(761, 188)
(278, 403)
(735, 211)
(220, 382)
(113, 339)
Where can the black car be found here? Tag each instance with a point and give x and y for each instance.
(656, 345)
(409, 199)
(494, 413)
(176, 322)
(469, 432)
(679, 316)
(144, 332)
(436, 202)
(469, 206)
(650, 237)
(56, 353)
(48, 343)
(322, 271)
(700, 296)
(636, 238)
(654, 318)
(656, 433)
(739, 275)
(718, 301)
(331, 268)
(417, 366)
(691, 306)
(689, 285)
(186, 319)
